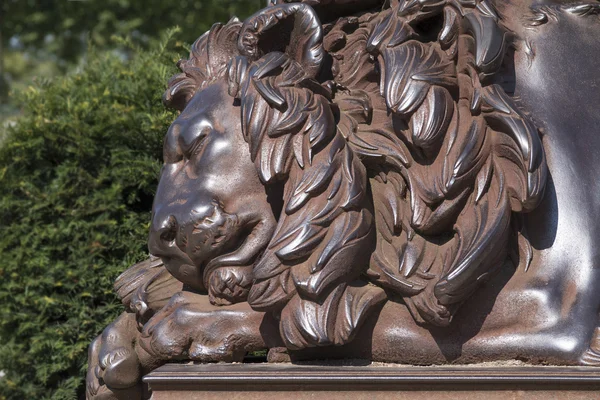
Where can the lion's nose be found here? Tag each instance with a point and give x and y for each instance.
(167, 229)
(163, 234)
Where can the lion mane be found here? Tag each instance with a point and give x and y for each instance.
(401, 160)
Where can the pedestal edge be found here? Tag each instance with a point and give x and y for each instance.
(290, 377)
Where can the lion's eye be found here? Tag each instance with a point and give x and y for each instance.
(197, 144)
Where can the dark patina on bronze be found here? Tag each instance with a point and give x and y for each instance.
(411, 181)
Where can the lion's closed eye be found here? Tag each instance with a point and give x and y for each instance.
(197, 144)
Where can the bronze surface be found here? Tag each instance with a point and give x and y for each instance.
(411, 181)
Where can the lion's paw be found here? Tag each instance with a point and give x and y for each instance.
(190, 328)
(229, 285)
(113, 367)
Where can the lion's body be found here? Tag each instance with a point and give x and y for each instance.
(419, 188)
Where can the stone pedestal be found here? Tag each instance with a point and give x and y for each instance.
(291, 382)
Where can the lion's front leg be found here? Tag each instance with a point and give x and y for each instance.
(188, 327)
(191, 328)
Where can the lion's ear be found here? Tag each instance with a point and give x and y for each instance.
(293, 29)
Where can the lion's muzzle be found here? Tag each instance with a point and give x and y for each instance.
(186, 241)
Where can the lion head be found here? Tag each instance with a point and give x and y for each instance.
(317, 170)
(210, 208)
(256, 177)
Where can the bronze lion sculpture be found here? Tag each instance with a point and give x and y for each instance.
(405, 181)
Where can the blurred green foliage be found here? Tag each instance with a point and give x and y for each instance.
(78, 169)
(41, 38)
(77, 176)
(79, 161)
(58, 25)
